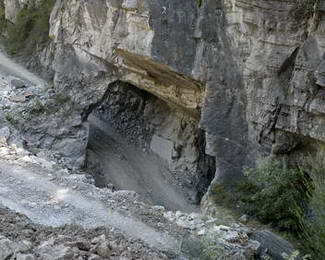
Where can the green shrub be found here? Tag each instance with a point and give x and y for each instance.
(313, 227)
(273, 193)
(199, 3)
(11, 118)
(38, 108)
(2, 17)
(292, 199)
(31, 28)
(61, 98)
(212, 248)
(277, 194)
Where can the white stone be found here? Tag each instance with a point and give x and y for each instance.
(221, 228)
(179, 214)
(130, 4)
(202, 232)
(99, 239)
(25, 257)
(232, 236)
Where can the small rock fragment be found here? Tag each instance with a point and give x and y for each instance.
(99, 239)
(18, 99)
(104, 249)
(201, 232)
(16, 83)
(25, 257)
(243, 218)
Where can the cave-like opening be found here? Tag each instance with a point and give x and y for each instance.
(140, 142)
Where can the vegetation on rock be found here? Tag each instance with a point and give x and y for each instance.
(31, 29)
(290, 199)
(268, 193)
(277, 194)
(199, 3)
(313, 226)
(2, 16)
(305, 9)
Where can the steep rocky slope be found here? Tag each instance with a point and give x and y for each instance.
(200, 89)
(281, 58)
(248, 72)
(70, 218)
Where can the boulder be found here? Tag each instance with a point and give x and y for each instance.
(243, 219)
(25, 257)
(4, 135)
(7, 248)
(104, 249)
(16, 83)
(18, 99)
(273, 244)
(52, 252)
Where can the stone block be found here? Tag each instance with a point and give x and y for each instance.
(162, 147)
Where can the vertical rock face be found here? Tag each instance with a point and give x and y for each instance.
(130, 37)
(224, 112)
(13, 7)
(251, 71)
(281, 57)
(172, 50)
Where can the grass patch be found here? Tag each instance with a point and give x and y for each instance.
(38, 108)
(11, 119)
(52, 106)
(31, 28)
(61, 98)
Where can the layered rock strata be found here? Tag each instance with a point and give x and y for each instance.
(249, 71)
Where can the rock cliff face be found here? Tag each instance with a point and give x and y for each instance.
(281, 59)
(246, 71)
(167, 49)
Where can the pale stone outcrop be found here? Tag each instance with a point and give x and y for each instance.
(13, 7)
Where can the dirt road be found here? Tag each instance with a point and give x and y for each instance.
(52, 204)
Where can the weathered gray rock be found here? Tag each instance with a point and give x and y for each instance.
(248, 70)
(17, 83)
(136, 53)
(104, 249)
(25, 257)
(81, 244)
(273, 244)
(100, 239)
(244, 218)
(5, 133)
(7, 248)
(55, 252)
(192, 246)
(18, 99)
